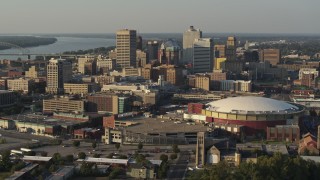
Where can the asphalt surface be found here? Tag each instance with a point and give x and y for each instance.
(178, 170)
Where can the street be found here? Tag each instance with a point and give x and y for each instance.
(178, 170)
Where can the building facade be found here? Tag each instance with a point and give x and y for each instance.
(64, 104)
(21, 84)
(59, 71)
(271, 55)
(189, 37)
(202, 55)
(126, 43)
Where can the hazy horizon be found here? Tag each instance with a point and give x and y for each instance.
(150, 16)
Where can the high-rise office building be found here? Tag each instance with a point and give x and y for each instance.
(139, 42)
(82, 61)
(126, 48)
(152, 47)
(231, 48)
(202, 55)
(188, 39)
(59, 71)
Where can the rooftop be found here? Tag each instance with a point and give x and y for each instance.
(104, 160)
(40, 119)
(252, 105)
(36, 158)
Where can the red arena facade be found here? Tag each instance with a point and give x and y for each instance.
(255, 113)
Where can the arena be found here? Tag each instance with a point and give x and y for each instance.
(255, 113)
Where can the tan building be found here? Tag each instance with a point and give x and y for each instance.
(113, 54)
(32, 72)
(70, 88)
(105, 65)
(218, 75)
(64, 104)
(59, 71)
(220, 51)
(202, 82)
(126, 47)
(82, 62)
(271, 55)
(105, 79)
(142, 172)
(146, 72)
(231, 48)
(174, 76)
(21, 84)
(130, 71)
(141, 59)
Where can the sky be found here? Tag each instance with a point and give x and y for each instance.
(159, 16)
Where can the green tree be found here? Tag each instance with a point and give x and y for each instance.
(117, 145)
(3, 141)
(56, 158)
(173, 156)
(18, 166)
(76, 143)
(96, 155)
(175, 148)
(140, 145)
(94, 144)
(164, 157)
(69, 158)
(82, 155)
(86, 169)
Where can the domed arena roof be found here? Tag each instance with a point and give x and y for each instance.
(251, 105)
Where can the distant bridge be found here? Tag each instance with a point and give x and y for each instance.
(23, 50)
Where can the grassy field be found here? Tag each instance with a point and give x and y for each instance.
(4, 175)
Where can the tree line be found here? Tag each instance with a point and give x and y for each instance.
(277, 166)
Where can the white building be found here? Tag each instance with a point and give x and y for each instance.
(59, 71)
(202, 55)
(308, 71)
(239, 85)
(20, 84)
(188, 39)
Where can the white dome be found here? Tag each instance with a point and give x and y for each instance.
(251, 105)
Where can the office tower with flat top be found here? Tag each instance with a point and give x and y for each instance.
(59, 71)
(188, 39)
(202, 55)
(126, 44)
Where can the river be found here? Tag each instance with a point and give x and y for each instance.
(61, 45)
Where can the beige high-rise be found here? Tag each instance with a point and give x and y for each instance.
(188, 39)
(59, 71)
(126, 48)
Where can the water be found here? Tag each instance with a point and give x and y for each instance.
(63, 44)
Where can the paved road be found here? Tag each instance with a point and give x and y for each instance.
(178, 170)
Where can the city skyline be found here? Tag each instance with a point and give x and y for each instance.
(247, 16)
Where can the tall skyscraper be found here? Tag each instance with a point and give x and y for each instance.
(188, 38)
(231, 48)
(126, 48)
(139, 42)
(152, 47)
(202, 55)
(59, 71)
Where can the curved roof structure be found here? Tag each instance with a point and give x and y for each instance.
(171, 44)
(251, 105)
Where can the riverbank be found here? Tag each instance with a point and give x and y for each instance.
(7, 42)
